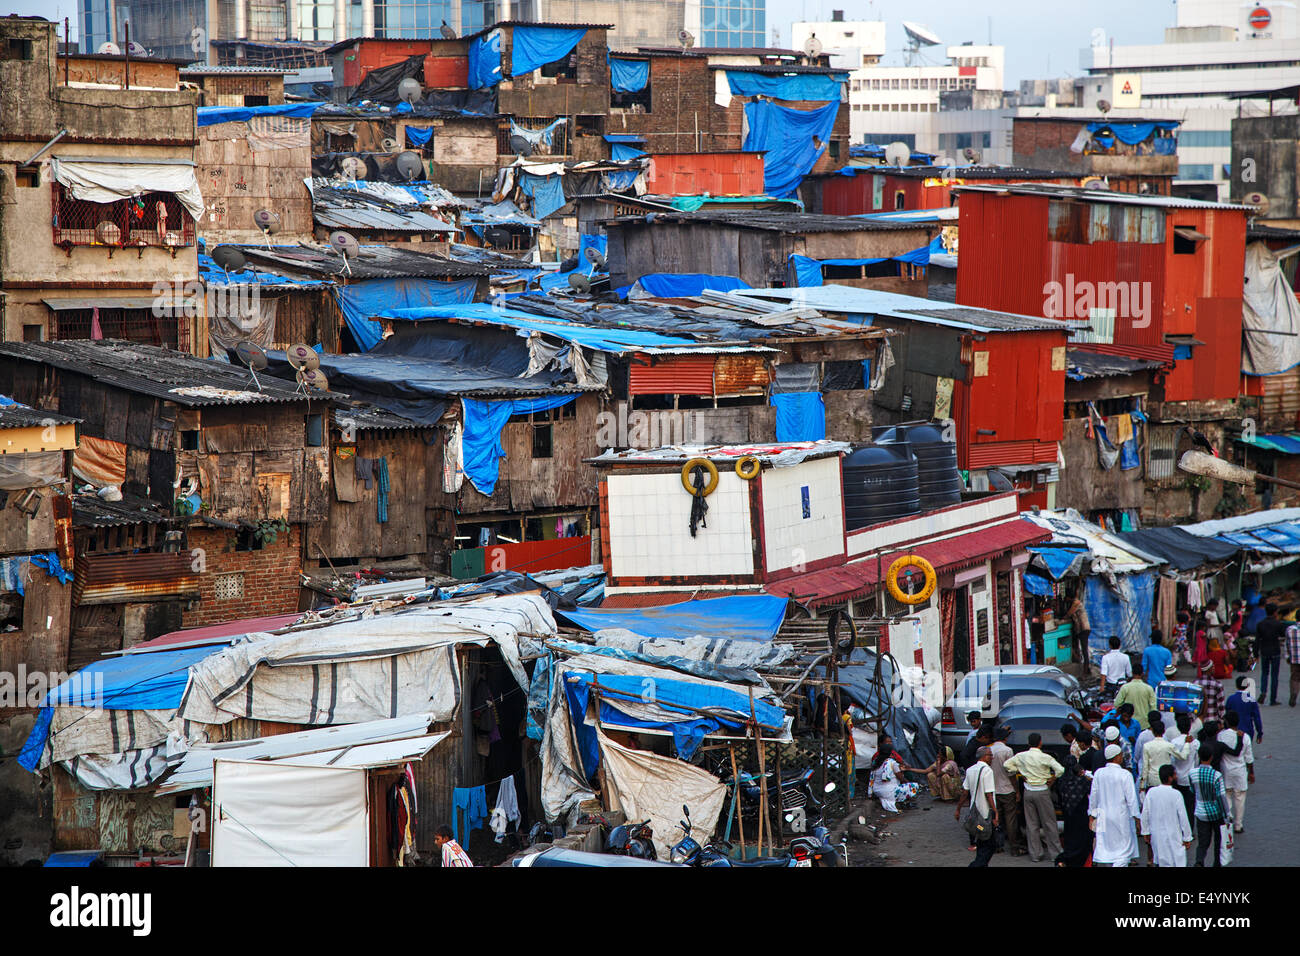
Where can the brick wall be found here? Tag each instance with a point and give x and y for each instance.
(271, 582)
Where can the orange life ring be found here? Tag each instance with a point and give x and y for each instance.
(708, 466)
(911, 561)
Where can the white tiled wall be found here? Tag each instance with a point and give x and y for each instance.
(649, 528)
(789, 537)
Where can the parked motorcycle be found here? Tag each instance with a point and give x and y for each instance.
(804, 851)
(795, 793)
(632, 839)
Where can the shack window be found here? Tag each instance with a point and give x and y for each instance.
(900, 200)
(315, 431)
(228, 587)
(559, 145)
(1162, 442)
(11, 610)
(542, 441)
(27, 177)
(564, 70)
(134, 325)
(190, 440)
(153, 219)
(251, 99)
(15, 49)
(33, 333)
(1067, 222)
(982, 626)
(1187, 240)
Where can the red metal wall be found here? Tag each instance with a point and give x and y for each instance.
(719, 174)
(854, 195)
(1020, 400)
(528, 557)
(676, 375)
(439, 71)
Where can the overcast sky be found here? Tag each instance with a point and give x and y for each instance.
(1043, 37)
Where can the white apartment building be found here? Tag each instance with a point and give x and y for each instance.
(851, 45)
(1218, 49)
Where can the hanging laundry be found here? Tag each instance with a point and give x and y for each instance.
(559, 527)
(1123, 428)
(484, 536)
(365, 469)
(468, 805)
(506, 810)
(381, 500)
(1194, 595)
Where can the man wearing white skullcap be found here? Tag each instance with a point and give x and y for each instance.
(1113, 805)
(1112, 735)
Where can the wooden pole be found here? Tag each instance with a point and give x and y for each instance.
(740, 815)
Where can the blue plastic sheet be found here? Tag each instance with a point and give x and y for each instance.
(812, 87)
(536, 46)
(585, 267)
(667, 285)
(628, 76)
(547, 193)
(624, 138)
(622, 152)
(74, 858)
(800, 416)
(361, 300)
(1128, 455)
(1037, 584)
(485, 61)
(620, 179)
(481, 446)
(808, 272)
(1126, 615)
(670, 695)
(786, 138)
(1058, 560)
(739, 617)
(153, 681)
(49, 563)
(419, 135)
(211, 115)
(1131, 133)
(606, 339)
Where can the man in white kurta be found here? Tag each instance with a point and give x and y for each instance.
(1165, 823)
(1113, 805)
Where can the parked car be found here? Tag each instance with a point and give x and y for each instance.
(1010, 686)
(1038, 714)
(969, 695)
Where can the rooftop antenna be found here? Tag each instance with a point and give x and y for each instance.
(314, 378)
(812, 47)
(686, 39)
(1103, 106)
(229, 259)
(409, 165)
(409, 90)
(972, 154)
(268, 222)
(252, 355)
(897, 154)
(353, 168)
(595, 258)
(918, 39)
(579, 283)
(346, 245)
(302, 359)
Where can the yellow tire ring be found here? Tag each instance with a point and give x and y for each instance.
(911, 561)
(748, 467)
(708, 466)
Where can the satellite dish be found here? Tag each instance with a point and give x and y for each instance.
(521, 145)
(813, 48)
(971, 153)
(409, 90)
(110, 48)
(252, 355)
(314, 378)
(389, 145)
(579, 282)
(595, 258)
(944, 161)
(409, 166)
(1259, 201)
(229, 258)
(498, 236)
(686, 39)
(447, 32)
(346, 245)
(897, 154)
(353, 168)
(109, 233)
(1103, 105)
(267, 221)
(302, 357)
(136, 49)
(920, 35)
(1096, 185)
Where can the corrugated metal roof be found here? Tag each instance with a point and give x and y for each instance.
(877, 303)
(969, 172)
(368, 418)
(381, 206)
(775, 221)
(1100, 195)
(216, 69)
(774, 453)
(163, 373)
(375, 262)
(223, 633)
(1081, 364)
(21, 416)
(92, 511)
(134, 578)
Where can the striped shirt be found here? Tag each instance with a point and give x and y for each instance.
(453, 855)
(1211, 797)
(1213, 703)
(1293, 643)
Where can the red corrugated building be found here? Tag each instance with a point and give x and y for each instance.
(1157, 277)
(890, 189)
(694, 174)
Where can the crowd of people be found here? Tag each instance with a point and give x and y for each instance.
(1143, 786)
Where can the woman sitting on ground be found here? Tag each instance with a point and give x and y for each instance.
(887, 771)
(944, 776)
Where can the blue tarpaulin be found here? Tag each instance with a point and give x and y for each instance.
(1126, 614)
(800, 416)
(153, 681)
(624, 138)
(361, 300)
(485, 61)
(481, 446)
(74, 858)
(547, 193)
(560, 280)
(788, 139)
(1058, 560)
(622, 152)
(739, 617)
(812, 87)
(667, 285)
(1037, 584)
(808, 272)
(211, 115)
(1131, 133)
(536, 46)
(628, 76)
(419, 135)
(728, 709)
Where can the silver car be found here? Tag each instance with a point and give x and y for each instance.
(970, 694)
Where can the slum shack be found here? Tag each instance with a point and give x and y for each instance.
(772, 249)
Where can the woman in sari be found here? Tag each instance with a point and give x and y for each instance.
(944, 776)
(887, 777)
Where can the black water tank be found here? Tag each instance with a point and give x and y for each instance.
(880, 484)
(940, 481)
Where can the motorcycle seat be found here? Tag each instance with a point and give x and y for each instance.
(763, 861)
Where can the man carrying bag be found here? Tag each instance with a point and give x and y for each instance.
(982, 819)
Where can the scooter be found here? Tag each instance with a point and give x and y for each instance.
(804, 851)
(796, 793)
(632, 839)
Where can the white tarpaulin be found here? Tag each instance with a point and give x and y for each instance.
(369, 668)
(275, 814)
(1270, 316)
(110, 180)
(646, 786)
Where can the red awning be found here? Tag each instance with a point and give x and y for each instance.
(834, 585)
(216, 633)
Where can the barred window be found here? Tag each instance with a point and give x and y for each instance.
(559, 136)
(154, 219)
(1162, 443)
(133, 325)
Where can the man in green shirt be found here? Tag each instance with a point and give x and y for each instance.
(1039, 769)
(1138, 693)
